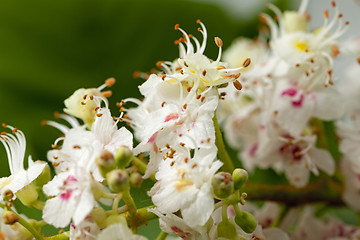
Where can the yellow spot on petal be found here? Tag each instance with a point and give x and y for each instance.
(183, 184)
(302, 46)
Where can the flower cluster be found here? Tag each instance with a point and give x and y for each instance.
(275, 99)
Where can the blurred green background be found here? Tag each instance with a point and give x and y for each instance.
(48, 49)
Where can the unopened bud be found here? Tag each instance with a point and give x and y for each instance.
(28, 195)
(240, 177)
(222, 185)
(114, 219)
(246, 221)
(118, 180)
(123, 157)
(97, 190)
(10, 217)
(135, 179)
(105, 162)
(227, 229)
(8, 195)
(44, 176)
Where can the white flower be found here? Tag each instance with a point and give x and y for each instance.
(80, 147)
(84, 102)
(86, 230)
(351, 174)
(118, 231)
(15, 145)
(186, 181)
(172, 224)
(73, 198)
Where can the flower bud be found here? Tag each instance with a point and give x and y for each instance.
(118, 180)
(105, 162)
(97, 190)
(99, 215)
(8, 195)
(227, 229)
(113, 219)
(222, 185)
(246, 221)
(135, 179)
(28, 195)
(240, 177)
(123, 157)
(44, 176)
(10, 217)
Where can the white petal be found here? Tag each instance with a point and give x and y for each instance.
(58, 212)
(322, 160)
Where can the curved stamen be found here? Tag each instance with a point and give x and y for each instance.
(280, 17)
(272, 25)
(303, 6)
(204, 33)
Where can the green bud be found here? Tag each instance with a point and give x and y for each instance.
(28, 195)
(123, 157)
(97, 190)
(240, 177)
(44, 176)
(114, 219)
(10, 217)
(246, 221)
(222, 185)
(227, 229)
(8, 195)
(118, 180)
(135, 179)
(105, 162)
(99, 215)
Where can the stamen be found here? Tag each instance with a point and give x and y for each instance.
(246, 63)
(237, 85)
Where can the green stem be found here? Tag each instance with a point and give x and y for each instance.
(116, 204)
(141, 166)
(284, 209)
(141, 217)
(38, 204)
(62, 236)
(29, 227)
(162, 236)
(328, 191)
(222, 152)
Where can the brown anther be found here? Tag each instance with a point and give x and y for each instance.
(91, 97)
(176, 26)
(136, 74)
(202, 141)
(163, 103)
(159, 150)
(333, 4)
(202, 98)
(262, 18)
(176, 42)
(223, 94)
(85, 96)
(126, 117)
(167, 146)
(3, 133)
(198, 21)
(182, 144)
(218, 42)
(76, 147)
(97, 108)
(311, 60)
(118, 105)
(180, 135)
(220, 67)
(276, 112)
(194, 165)
(307, 74)
(99, 114)
(107, 93)
(208, 140)
(54, 146)
(297, 65)
(172, 163)
(237, 85)
(186, 160)
(312, 70)
(204, 73)
(43, 122)
(122, 102)
(331, 82)
(61, 231)
(199, 29)
(55, 164)
(113, 117)
(340, 15)
(178, 68)
(159, 64)
(247, 62)
(163, 77)
(120, 119)
(326, 13)
(325, 85)
(347, 23)
(186, 64)
(181, 71)
(330, 72)
(3, 125)
(14, 130)
(198, 96)
(236, 76)
(307, 16)
(110, 82)
(358, 60)
(185, 106)
(82, 103)
(188, 89)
